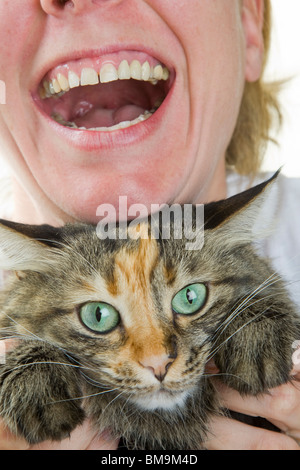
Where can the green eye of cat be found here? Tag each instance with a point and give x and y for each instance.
(99, 317)
(190, 299)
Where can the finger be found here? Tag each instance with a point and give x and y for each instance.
(103, 442)
(5, 346)
(84, 437)
(211, 368)
(10, 343)
(296, 365)
(9, 441)
(228, 434)
(281, 405)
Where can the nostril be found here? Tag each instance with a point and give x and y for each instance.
(160, 377)
(62, 3)
(157, 365)
(54, 7)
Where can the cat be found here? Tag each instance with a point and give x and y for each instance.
(121, 331)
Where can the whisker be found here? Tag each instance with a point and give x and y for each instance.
(14, 336)
(213, 353)
(21, 366)
(83, 396)
(19, 324)
(93, 382)
(68, 364)
(30, 336)
(115, 398)
(220, 374)
(245, 303)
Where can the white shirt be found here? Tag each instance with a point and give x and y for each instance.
(282, 247)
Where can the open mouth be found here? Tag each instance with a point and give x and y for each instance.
(105, 94)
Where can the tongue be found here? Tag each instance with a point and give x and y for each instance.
(128, 113)
(101, 117)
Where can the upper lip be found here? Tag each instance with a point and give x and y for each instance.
(93, 53)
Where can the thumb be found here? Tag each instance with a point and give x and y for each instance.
(5, 346)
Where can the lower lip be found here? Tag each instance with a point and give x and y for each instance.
(100, 140)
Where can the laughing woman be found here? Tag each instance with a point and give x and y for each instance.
(150, 99)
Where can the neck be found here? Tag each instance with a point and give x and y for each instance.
(40, 211)
(211, 182)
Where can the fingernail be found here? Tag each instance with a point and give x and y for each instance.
(2, 352)
(296, 354)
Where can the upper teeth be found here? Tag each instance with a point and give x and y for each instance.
(107, 73)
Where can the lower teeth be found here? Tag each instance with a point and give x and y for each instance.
(121, 125)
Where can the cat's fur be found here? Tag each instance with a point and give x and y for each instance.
(247, 325)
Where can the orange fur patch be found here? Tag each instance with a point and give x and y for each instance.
(170, 275)
(132, 275)
(87, 286)
(133, 267)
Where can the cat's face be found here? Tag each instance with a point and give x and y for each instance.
(140, 316)
(144, 324)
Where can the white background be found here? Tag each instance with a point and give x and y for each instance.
(284, 63)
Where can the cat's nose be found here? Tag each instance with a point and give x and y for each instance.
(158, 365)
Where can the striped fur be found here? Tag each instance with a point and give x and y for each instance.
(146, 379)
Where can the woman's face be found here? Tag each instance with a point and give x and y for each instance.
(175, 155)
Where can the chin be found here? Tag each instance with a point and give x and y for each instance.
(162, 400)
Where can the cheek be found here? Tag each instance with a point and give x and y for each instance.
(19, 24)
(21, 29)
(212, 39)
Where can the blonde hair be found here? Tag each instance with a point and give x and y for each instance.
(259, 111)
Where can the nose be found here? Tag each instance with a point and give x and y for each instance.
(57, 7)
(158, 365)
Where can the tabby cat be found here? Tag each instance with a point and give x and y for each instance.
(121, 331)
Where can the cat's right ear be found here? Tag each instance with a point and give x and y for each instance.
(27, 247)
(246, 217)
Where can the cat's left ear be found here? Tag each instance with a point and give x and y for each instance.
(245, 217)
(28, 247)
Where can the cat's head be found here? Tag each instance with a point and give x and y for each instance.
(141, 316)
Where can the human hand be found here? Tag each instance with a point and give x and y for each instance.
(84, 437)
(281, 407)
